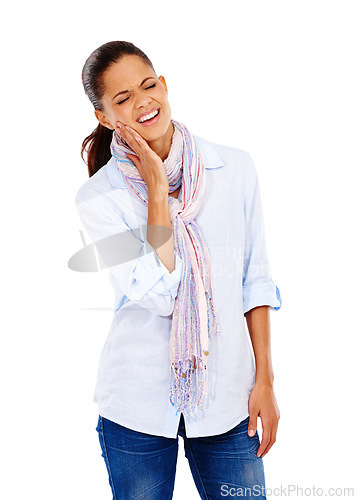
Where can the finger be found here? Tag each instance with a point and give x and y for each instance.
(126, 130)
(265, 439)
(252, 423)
(264, 443)
(119, 127)
(133, 139)
(271, 442)
(139, 145)
(133, 132)
(139, 141)
(267, 449)
(121, 132)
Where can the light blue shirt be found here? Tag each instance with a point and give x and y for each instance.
(132, 386)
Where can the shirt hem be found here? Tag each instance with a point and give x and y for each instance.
(110, 413)
(202, 433)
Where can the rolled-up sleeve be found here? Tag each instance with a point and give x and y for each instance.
(258, 287)
(133, 263)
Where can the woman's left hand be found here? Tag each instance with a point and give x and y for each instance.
(262, 403)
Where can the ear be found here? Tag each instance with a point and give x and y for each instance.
(162, 80)
(103, 120)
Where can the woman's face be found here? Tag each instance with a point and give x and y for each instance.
(132, 90)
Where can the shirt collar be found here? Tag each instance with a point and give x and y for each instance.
(210, 156)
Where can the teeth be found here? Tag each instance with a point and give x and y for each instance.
(148, 117)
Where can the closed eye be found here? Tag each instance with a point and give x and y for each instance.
(124, 100)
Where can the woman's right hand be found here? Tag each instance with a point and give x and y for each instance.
(148, 163)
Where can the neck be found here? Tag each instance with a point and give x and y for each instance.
(162, 145)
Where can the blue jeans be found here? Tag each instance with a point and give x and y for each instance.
(142, 466)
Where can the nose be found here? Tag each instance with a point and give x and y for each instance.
(142, 100)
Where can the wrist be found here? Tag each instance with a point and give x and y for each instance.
(265, 379)
(156, 195)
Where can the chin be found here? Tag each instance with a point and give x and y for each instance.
(154, 133)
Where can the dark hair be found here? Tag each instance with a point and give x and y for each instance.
(97, 144)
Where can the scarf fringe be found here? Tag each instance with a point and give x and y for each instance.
(182, 394)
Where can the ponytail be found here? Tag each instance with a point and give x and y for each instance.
(97, 147)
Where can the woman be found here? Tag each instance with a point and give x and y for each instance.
(178, 221)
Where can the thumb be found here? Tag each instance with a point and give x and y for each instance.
(134, 159)
(252, 424)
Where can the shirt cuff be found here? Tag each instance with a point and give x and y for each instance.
(151, 274)
(261, 294)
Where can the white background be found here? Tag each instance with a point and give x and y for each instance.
(274, 78)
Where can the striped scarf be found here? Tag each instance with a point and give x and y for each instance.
(194, 305)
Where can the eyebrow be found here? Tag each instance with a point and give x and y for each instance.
(125, 91)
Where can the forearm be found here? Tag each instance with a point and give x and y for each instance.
(159, 229)
(258, 321)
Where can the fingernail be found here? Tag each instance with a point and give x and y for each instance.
(258, 455)
(119, 125)
(251, 432)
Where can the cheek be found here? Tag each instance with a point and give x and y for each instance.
(164, 100)
(122, 113)
(112, 113)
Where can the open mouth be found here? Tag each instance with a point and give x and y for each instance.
(154, 118)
